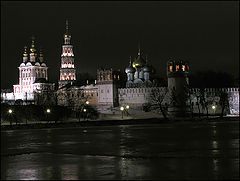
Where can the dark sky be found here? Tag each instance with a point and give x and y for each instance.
(107, 33)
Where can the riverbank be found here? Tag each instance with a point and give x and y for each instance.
(115, 122)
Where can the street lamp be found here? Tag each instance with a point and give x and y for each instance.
(87, 102)
(127, 107)
(10, 111)
(48, 112)
(85, 111)
(122, 109)
(214, 109)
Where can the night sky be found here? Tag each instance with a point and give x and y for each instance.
(107, 33)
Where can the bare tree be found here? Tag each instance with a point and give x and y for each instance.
(223, 101)
(157, 100)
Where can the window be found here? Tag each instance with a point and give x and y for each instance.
(177, 67)
(183, 67)
(108, 77)
(170, 68)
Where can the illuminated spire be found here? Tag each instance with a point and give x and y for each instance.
(67, 26)
(41, 55)
(32, 49)
(40, 52)
(139, 49)
(146, 60)
(25, 54)
(130, 60)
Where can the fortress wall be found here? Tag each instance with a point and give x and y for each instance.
(136, 97)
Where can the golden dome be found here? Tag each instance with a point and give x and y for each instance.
(25, 54)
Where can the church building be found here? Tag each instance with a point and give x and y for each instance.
(33, 76)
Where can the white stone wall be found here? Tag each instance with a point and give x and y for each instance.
(105, 94)
(135, 97)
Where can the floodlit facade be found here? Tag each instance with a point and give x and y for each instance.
(33, 76)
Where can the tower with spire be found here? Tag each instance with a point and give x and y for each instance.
(67, 69)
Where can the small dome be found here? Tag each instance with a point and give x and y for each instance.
(37, 64)
(43, 65)
(130, 69)
(147, 68)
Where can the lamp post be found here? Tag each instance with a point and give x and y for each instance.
(127, 108)
(122, 109)
(48, 112)
(87, 102)
(214, 109)
(10, 111)
(85, 111)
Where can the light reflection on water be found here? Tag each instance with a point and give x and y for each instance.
(69, 172)
(122, 152)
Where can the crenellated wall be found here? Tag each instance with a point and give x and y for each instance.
(137, 97)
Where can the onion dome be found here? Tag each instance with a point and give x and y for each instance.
(139, 60)
(25, 54)
(130, 68)
(33, 49)
(147, 68)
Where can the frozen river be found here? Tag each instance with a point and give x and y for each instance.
(151, 151)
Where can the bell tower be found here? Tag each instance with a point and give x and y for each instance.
(67, 69)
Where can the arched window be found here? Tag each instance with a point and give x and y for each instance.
(183, 68)
(177, 67)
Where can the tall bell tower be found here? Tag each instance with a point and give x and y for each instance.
(67, 69)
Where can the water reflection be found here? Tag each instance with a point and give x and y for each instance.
(69, 172)
(28, 174)
(122, 152)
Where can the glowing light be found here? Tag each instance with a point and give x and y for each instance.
(127, 106)
(84, 110)
(177, 67)
(48, 110)
(121, 108)
(87, 102)
(183, 67)
(170, 68)
(213, 107)
(10, 111)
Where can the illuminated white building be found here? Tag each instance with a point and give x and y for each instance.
(67, 69)
(33, 77)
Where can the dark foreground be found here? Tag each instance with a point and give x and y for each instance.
(184, 150)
